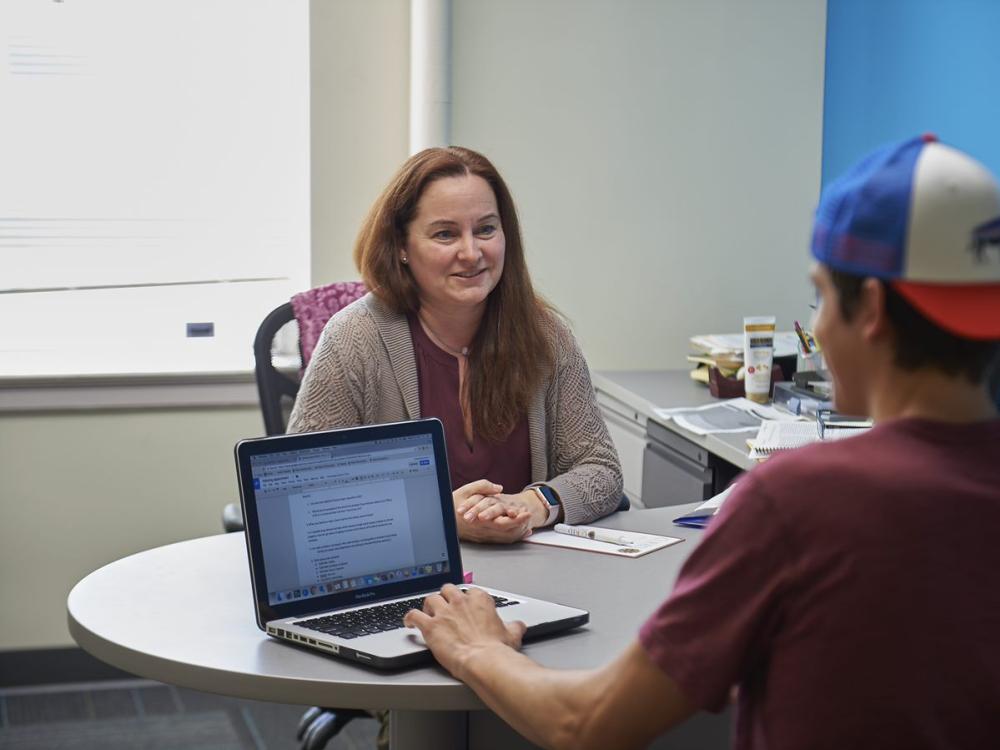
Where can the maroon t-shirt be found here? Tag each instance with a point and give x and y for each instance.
(852, 591)
(507, 463)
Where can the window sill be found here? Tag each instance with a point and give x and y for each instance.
(145, 391)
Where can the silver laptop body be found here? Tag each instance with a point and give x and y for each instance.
(347, 529)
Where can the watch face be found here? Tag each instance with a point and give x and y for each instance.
(549, 495)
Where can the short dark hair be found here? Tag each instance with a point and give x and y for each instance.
(919, 342)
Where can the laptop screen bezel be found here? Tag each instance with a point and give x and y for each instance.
(247, 449)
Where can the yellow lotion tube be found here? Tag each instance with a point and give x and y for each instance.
(758, 357)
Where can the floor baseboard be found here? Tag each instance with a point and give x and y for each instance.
(44, 666)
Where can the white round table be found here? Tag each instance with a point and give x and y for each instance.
(183, 614)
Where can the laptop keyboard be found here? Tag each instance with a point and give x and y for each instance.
(371, 620)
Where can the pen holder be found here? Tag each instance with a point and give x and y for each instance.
(813, 361)
(722, 387)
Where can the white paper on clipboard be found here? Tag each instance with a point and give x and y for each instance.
(638, 544)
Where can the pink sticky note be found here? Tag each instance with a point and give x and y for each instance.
(467, 577)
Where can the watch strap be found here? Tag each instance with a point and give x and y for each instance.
(551, 500)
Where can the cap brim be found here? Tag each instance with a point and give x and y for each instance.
(971, 311)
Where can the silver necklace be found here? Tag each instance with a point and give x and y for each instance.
(463, 352)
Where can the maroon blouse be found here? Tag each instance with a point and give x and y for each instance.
(507, 463)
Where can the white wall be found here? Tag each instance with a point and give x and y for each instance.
(664, 156)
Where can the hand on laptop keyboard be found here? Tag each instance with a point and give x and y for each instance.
(456, 626)
(375, 619)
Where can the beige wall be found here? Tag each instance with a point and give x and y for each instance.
(78, 490)
(665, 159)
(360, 52)
(664, 152)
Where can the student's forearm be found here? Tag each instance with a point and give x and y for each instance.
(546, 706)
(622, 705)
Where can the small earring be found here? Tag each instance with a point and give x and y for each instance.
(404, 259)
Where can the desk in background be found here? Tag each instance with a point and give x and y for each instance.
(662, 463)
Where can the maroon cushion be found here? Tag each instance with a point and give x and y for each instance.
(313, 308)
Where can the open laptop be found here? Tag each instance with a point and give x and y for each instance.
(348, 529)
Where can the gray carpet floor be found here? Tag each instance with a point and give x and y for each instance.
(145, 715)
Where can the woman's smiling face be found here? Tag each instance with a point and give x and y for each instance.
(455, 243)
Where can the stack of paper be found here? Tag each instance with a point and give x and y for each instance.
(732, 415)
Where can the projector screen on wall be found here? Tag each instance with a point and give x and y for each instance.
(154, 190)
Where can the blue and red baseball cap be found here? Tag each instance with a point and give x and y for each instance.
(925, 218)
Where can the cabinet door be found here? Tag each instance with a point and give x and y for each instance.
(669, 478)
(630, 442)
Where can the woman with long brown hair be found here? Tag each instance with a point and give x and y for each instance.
(452, 328)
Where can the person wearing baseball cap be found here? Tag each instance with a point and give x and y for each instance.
(920, 221)
(847, 590)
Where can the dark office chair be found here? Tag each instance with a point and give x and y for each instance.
(276, 389)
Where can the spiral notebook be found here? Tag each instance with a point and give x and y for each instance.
(781, 436)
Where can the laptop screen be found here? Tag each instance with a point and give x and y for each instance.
(341, 518)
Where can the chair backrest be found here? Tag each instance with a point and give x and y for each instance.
(314, 307)
(311, 309)
(276, 389)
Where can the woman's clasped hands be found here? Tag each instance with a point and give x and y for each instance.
(485, 514)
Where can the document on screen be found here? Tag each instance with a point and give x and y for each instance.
(355, 530)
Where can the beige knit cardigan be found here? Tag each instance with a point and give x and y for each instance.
(363, 371)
